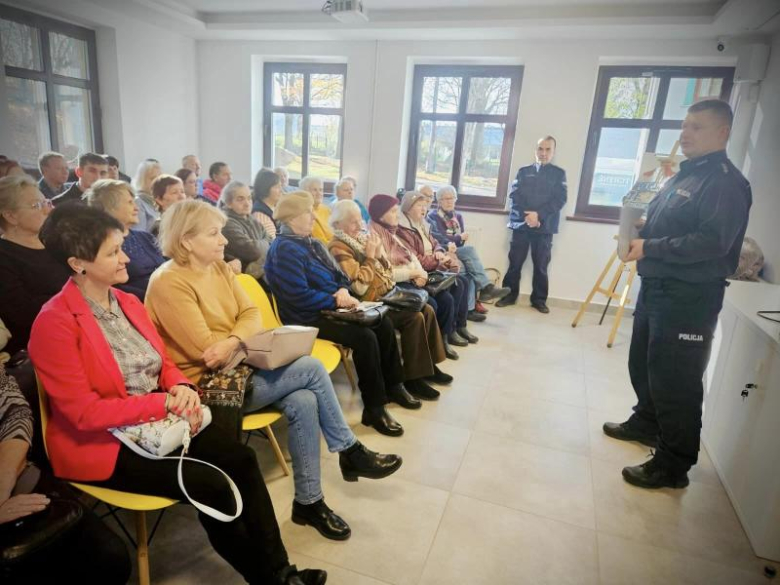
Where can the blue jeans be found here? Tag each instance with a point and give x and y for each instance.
(304, 392)
(474, 269)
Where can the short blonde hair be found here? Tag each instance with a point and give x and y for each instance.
(106, 194)
(12, 191)
(147, 172)
(183, 220)
(342, 210)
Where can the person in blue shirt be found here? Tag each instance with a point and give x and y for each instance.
(689, 244)
(538, 195)
(345, 189)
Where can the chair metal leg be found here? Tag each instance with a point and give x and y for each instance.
(345, 362)
(142, 551)
(277, 449)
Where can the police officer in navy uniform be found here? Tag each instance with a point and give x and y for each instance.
(690, 243)
(538, 195)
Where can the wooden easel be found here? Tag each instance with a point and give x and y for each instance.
(610, 293)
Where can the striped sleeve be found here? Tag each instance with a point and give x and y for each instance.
(15, 414)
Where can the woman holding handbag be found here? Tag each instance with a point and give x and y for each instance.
(104, 366)
(363, 259)
(203, 314)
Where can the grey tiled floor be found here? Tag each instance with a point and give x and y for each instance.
(506, 480)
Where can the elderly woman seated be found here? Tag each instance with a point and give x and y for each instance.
(448, 227)
(306, 280)
(345, 191)
(363, 259)
(321, 229)
(148, 170)
(202, 314)
(104, 366)
(117, 199)
(247, 241)
(268, 189)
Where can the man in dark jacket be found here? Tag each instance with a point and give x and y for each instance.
(538, 195)
(687, 248)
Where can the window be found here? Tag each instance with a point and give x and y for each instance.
(462, 131)
(303, 119)
(637, 110)
(51, 86)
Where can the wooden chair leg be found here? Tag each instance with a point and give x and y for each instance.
(350, 374)
(142, 550)
(277, 449)
(595, 289)
(621, 305)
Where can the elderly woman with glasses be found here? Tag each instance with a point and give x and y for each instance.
(247, 240)
(29, 276)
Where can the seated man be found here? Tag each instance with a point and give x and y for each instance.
(113, 169)
(192, 162)
(92, 167)
(54, 174)
(219, 176)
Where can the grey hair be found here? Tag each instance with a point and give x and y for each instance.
(284, 170)
(229, 192)
(444, 190)
(46, 157)
(308, 181)
(343, 181)
(342, 210)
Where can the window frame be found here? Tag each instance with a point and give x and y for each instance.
(466, 201)
(584, 210)
(46, 25)
(306, 110)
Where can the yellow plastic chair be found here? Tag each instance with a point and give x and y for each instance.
(261, 421)
(114, 499)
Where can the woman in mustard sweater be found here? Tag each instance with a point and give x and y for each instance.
(202, 314)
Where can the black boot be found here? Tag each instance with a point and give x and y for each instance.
(626, 432)
(476, 317)
(290, 575)
(541, 306)
(400, 395)
(654, 474)
(380, 419)
(466, 334)
(325, 520)
(422, 391)
(492, 293)
(439, 377)
(455, 339)
(358, 461)
(506, 301)
(449, 352)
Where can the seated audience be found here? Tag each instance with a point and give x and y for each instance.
(89, 552)
(10, 168)
(202, 314)
(92, 167)
(448, 227)
(430, 197)
(104, 365)
(190, 181)
(145, 176)
(284, 177)
(192, 163)
(306, 280)
(321, 230)
(267, 192)
(54, 174)
(117, 199)
(29, 276)
(345, 190)
(246, 238)
(166, 190)
(219, 176)
(113, 169)
(363, 259)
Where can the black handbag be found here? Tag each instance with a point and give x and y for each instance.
(439, 281)
(365, 318)
(224, 393)
(406, 299)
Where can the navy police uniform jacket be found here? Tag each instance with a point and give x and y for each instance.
(697, 222)
(540, 188)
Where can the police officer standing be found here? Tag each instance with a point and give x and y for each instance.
(690, 243)
(538, 195)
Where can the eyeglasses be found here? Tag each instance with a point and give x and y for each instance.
(39, 205)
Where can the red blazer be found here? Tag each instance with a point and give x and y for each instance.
(86, 390)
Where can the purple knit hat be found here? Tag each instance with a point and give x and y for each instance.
(379, 205)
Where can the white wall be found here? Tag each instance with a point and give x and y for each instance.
(148, 86)
(762, 167)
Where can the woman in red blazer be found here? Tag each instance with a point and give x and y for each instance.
(103, 365)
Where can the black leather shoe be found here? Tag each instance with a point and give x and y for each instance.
(506, 301)
(325, 520)
(449, 352)
(466, 334)
(624, 432)
(541, 307)
(455, 339)
(382, 422)
(290, 575)
(654, 475)
(422, 391)
(493, 293)
(476, 317)
(400, 395)
(439, 377)
(358, 461)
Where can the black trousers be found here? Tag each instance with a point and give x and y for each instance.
(540, 245)
(674, 324)
(452, 306)
(252, 543)
(375, 353)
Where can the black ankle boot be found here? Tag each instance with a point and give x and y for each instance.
(422, 391)
(466, 334)
(439, 377)
(380, 419)
(290, 575)
(325, 520)
(654, 474)
(358, 461)
(449, 351)
(400, 395)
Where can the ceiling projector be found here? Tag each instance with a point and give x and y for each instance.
(346, 11)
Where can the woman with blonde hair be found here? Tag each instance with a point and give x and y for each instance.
(202, 314)
(147, 172)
